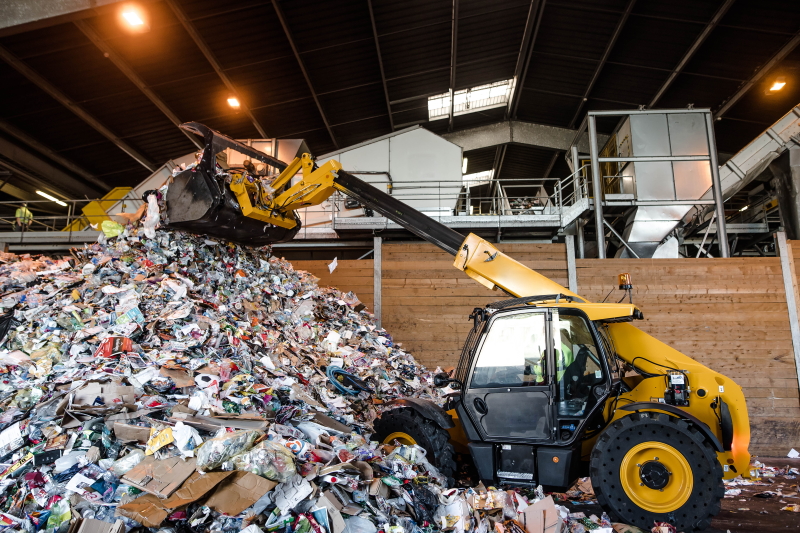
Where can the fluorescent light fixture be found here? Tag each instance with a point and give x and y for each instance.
(51, 198)
(132, 18)
(778, 84)
(464, 166)
(234, 102)
(744, 208)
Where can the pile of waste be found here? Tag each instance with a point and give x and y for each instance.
(163, 380)
(528, 205)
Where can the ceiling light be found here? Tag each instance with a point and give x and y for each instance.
(133, 18)
(51, 198)
(778, 84)
(464, 166)
(744, 208)
(234, 102)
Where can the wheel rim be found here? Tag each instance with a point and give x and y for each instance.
(656, 477)
(399, 436)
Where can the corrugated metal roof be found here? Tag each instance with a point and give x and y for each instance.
(336, 44)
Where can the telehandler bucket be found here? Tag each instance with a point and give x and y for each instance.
(200, 201)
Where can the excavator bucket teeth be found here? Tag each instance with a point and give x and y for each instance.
(198, 202)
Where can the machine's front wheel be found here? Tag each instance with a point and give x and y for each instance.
(652, 467)
(407, 426)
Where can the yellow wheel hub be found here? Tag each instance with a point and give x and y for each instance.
(399, 436)
(656, 477)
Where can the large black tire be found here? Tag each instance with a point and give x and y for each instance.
(619, 443)
(427, 434)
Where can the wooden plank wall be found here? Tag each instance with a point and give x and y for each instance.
(350, 275)
(426, 301)
(729, 314)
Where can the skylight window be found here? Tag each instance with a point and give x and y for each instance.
(470, 100)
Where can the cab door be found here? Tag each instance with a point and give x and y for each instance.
(508, 394)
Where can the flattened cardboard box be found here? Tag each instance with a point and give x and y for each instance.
(239, 492)
(90, 525)
(161, 478)
(131, 433)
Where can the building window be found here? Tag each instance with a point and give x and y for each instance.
(470, 100)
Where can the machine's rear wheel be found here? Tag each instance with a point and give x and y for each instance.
(652, 467)
(407, 426)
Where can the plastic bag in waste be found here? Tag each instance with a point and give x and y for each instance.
(267, 459)
(216, 451)
(356, 524)
(123, 465)
(7, 322)
(151, 221)
(111, 228)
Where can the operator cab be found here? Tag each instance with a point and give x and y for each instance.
(535, 378)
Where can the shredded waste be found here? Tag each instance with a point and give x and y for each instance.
(163, 380)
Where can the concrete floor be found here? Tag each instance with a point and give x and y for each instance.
(764, 515)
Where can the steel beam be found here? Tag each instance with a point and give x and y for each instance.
(380, 63)
(453, 53)
(521, 80)
(550, 166)
(57, 176)
(53, 155)
(33, 179)
(716, 189)
(212, 59)
(129, 73)
(603, 59)
(301, 64)
(377, 279)
(523, 57)
(597, 186)
(774, 60)
(67, 102)
(26, 15)
(691, 51)
(514, 131)
(16, 192)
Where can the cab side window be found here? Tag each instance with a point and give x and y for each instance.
(578, 366)
(513, 352)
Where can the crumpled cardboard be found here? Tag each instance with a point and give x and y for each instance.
(333, 506)
(161, 478)
(230, 493)
(541, 517)
(131, 433)
(181, 378)
(150, 510)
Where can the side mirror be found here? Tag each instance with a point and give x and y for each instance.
(441, 380)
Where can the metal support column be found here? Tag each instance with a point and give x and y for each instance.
(716, 187)
(572, 272)
(597, 186)
(579, 230)
(377, 288)
(792, 295)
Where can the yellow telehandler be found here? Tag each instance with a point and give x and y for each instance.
(549, 386)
